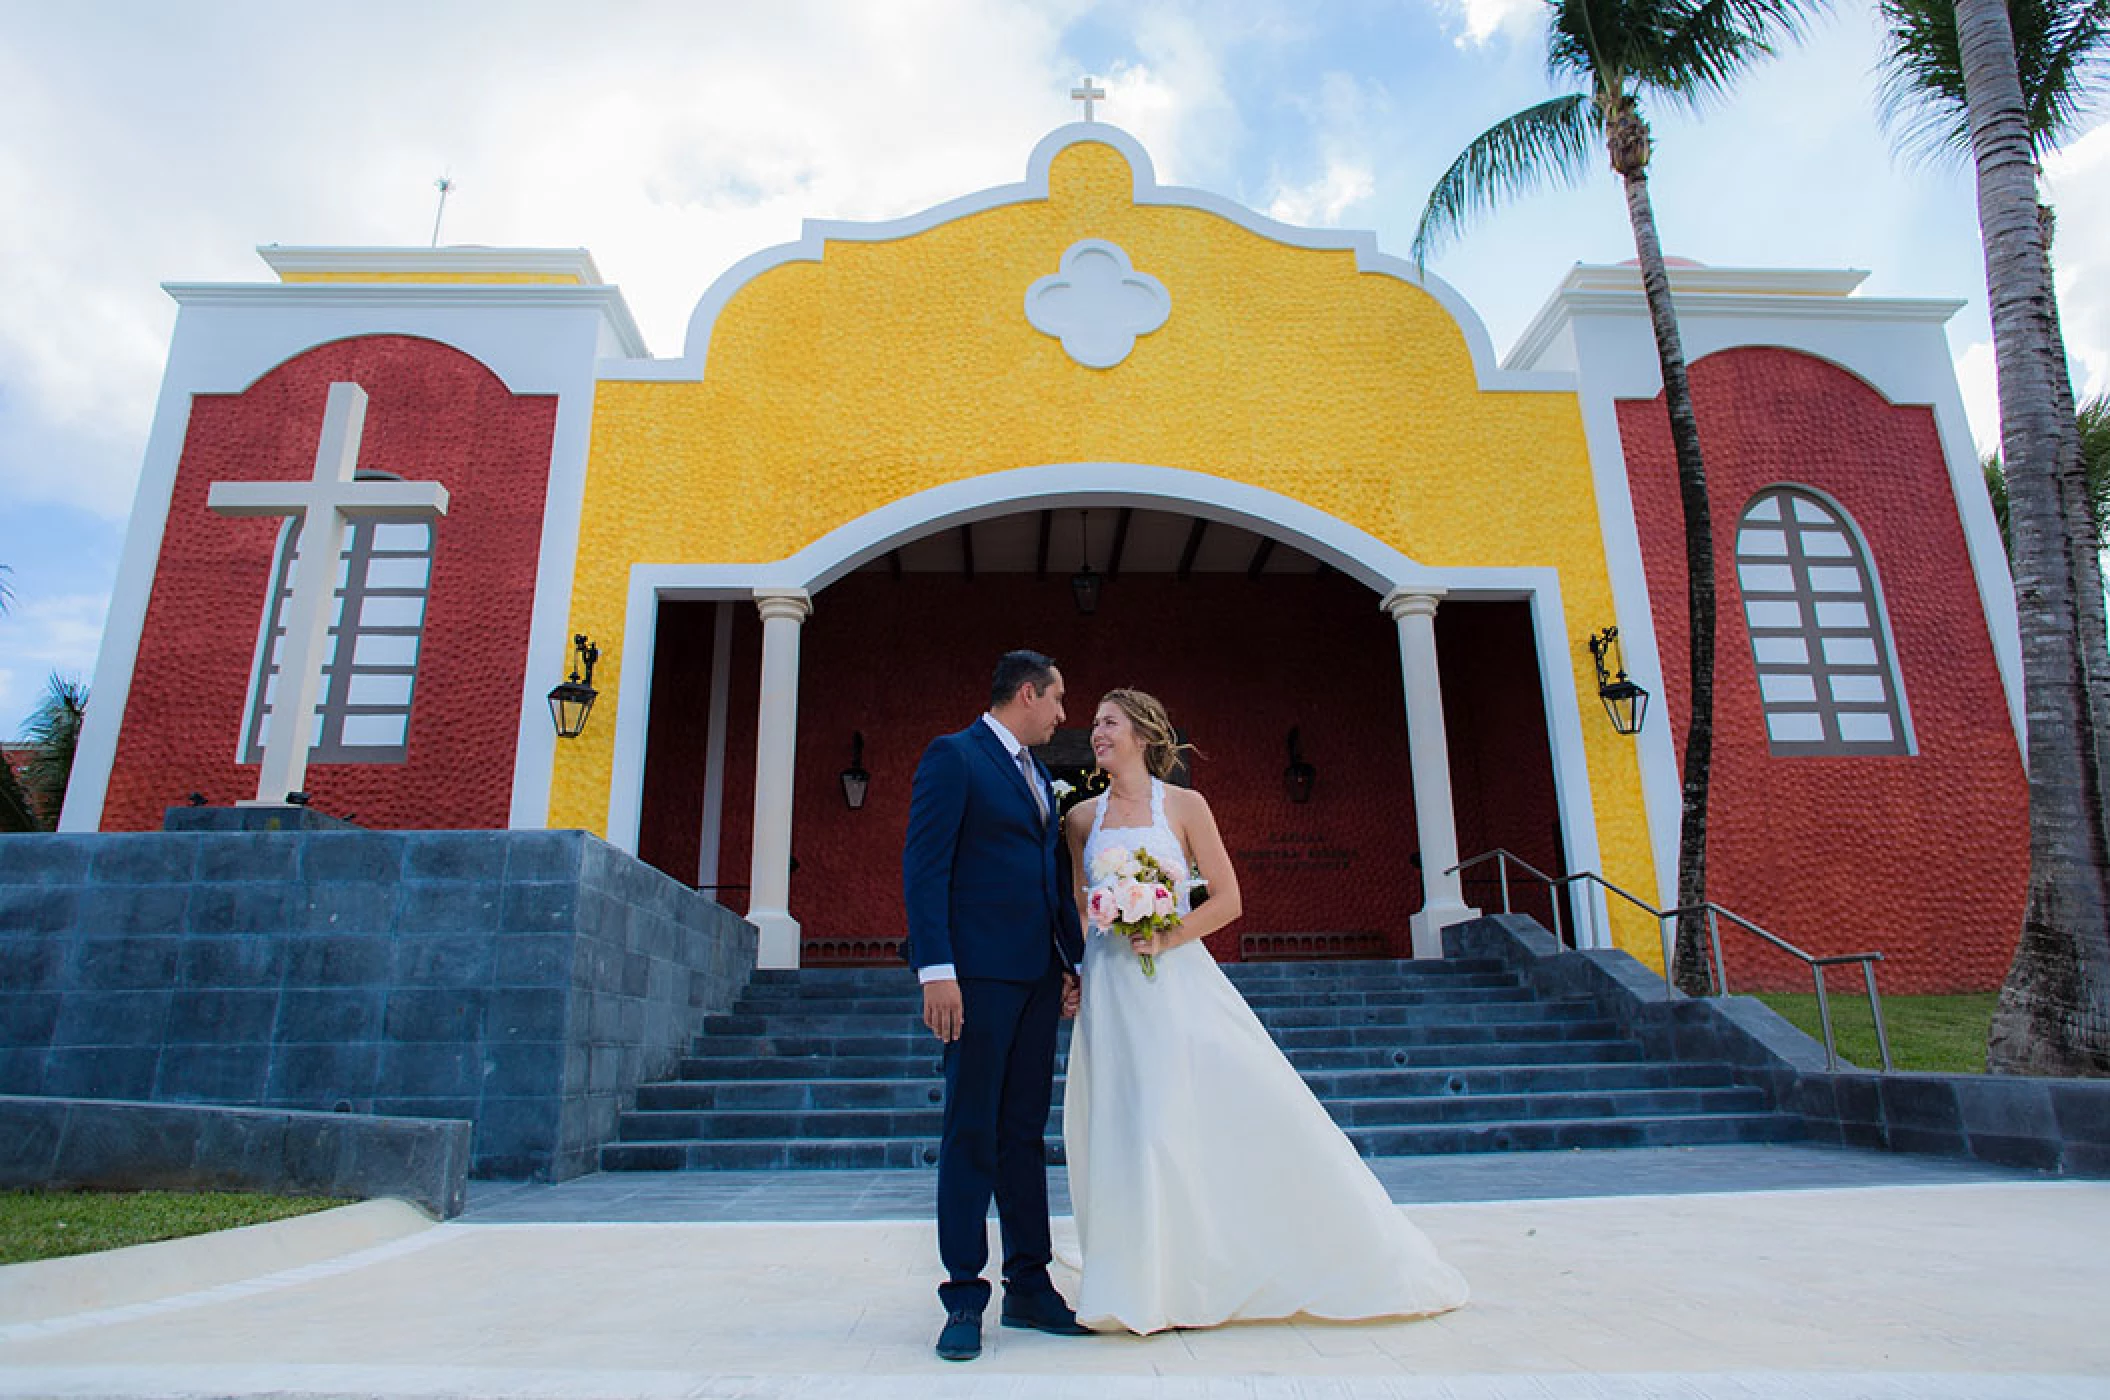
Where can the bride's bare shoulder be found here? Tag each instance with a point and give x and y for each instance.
(1184, 801)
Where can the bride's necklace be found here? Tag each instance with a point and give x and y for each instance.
(1139, 802)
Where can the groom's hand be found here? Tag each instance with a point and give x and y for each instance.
(943, 1010)
(1072, 994)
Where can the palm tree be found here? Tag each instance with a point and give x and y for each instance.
(2093, 420)
(54, 734)
(2054, 1011)
(1684, 52)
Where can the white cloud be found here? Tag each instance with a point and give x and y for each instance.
(2077, 182)
(40, 636)
(1325, 200)
(1484, 20)
(1977, 382)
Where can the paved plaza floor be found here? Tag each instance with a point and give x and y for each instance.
(1692, 1273)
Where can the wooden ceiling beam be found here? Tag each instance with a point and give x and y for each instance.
(1195, 532)
(1113, 565)
(1040, 560)
(1260, 557)
(967, 551)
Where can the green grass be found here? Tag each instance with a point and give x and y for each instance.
(1942, 1035)
(52, 1224)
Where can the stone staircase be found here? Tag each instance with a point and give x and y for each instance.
(832, 1068)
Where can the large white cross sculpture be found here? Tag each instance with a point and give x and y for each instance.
(321, 506)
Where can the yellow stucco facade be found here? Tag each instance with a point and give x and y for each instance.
(888, 367)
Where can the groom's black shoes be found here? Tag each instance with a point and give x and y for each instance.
(1043, 1312)
(962, 1338)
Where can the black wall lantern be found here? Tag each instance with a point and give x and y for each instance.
(856, 782)
(1299, 776)
(1084, 584)
(571, 700)
(1624, 701)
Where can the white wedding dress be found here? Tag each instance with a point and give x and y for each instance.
(1208, 1183)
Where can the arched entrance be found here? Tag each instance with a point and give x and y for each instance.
(1250, 614)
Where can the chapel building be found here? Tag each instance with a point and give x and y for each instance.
(1272, 474)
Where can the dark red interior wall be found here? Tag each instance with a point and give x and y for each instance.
(434, 415)
(1494, 714)
(1925, 856)
(1237, 663)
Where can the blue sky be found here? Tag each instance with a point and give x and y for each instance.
(150, 143)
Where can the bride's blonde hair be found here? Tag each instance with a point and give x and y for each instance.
(1146, 714)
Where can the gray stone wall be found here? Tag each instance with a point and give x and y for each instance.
(98, 1145)
(526, 981)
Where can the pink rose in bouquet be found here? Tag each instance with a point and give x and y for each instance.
(1131, 897)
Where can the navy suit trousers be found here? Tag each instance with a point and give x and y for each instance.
(999, 1080)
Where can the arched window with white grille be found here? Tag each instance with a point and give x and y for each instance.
(1827, 678)
(377, 627)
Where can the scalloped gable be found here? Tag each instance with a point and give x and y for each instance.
(1100, 178)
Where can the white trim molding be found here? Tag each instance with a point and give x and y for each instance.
(536, 338)
(466, 263)
(1376, 565)
(1595, 326)
(816, 234)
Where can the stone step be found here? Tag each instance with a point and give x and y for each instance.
(1525, 1026)
(907, 1022)
(910, 1003)
(1543, 1135)
(925, 1121)
(881, 981)
(925, 1060)
(920, 1092)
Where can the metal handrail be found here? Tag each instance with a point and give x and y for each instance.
(1715, 913)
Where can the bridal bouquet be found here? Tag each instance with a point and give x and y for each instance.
(1131, 897)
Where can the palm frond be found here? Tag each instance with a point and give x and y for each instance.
(7, 594)
(2058, 46)
(2094, 418)
(53, 736)
(2071, 41)
(1700, 52)
(15, 813)
(1920, 96)
(1547, 144)
(1688, 51)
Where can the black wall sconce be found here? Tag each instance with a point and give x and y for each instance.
(1084, 584)
(571, 700)
(1624, 701)
(1299, 776)
(856, 782)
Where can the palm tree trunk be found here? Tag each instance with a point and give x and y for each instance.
(1689, 955)
(2054, 1010)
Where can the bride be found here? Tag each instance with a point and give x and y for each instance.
(1208, 1183)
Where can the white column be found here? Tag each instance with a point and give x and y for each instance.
(1429, 752)
(776, 743)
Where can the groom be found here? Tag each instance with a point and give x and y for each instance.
(993, 936)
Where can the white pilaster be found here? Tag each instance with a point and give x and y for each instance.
(776, 741)
(712, 829)
(1429, 752)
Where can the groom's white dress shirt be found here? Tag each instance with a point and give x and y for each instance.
(944, 972)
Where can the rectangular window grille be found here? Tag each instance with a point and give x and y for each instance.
(377, 630)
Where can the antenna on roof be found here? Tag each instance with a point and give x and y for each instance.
(445, 185)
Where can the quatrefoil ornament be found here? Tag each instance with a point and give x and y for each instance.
(1098, 304)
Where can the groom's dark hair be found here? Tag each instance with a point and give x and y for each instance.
(1017, 668)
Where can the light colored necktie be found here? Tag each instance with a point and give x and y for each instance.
(1040, 799)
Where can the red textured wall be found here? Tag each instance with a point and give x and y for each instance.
(434, 414)
(1923, 857)
(1237, 663)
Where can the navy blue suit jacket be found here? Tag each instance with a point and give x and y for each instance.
(987, 882)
